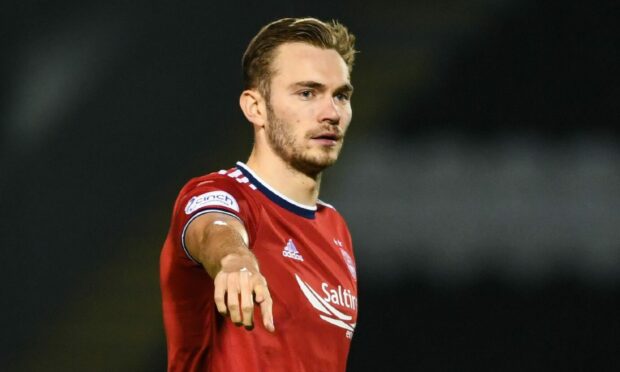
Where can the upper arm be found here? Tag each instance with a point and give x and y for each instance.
(205, 225)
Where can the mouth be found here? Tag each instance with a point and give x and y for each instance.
(327, 138)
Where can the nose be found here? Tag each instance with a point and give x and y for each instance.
(330, 112)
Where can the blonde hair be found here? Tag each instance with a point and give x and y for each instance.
(257, 59)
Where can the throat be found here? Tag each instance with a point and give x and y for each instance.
(288, 180)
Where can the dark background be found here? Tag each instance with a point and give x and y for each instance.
(480, 179)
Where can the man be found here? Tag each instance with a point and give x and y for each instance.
(257, 234)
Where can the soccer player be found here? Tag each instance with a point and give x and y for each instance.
(258, 274)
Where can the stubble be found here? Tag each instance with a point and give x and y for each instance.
(282, 140)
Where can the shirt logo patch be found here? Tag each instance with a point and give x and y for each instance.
(211, 199)
(290, 251)
(327, 312)
(350, 263)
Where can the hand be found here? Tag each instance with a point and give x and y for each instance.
(239, 278)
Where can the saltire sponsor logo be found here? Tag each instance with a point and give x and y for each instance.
(290, 251)
(323, 304)
(211, 199)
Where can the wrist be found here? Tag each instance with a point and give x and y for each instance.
(238, 261)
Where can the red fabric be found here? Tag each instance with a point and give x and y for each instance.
(199, 339)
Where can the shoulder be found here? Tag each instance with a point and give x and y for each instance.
(225, 188)
(328, 211)
(225, 180)
(321, 203)
(331, 217)
(214, 178)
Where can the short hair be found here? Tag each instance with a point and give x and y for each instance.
(257, 59)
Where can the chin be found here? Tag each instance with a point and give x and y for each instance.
(312, 166)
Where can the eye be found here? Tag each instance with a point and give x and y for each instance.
(343, 97)
(306, 94)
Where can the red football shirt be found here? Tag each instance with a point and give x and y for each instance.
(305, 253)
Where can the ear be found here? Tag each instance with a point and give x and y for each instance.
(253, 106)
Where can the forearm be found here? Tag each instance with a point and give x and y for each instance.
(220, 243)
(222, 247)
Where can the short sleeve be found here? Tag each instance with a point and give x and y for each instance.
(209, 195)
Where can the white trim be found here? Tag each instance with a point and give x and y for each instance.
(308, 207)
(192, 219)
(319, 201)
(337, 323)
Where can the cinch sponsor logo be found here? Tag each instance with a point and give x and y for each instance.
(339, 296)
(211, 199)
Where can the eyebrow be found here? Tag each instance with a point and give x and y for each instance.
(347, 87)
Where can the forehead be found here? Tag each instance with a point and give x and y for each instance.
(295, 62)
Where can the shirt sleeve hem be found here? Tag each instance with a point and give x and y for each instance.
(204, 211)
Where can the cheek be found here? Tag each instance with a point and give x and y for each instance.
(348, 111)
(346, 119)
(292, 124)
(289, 114)
(295, 119)
(303, 115)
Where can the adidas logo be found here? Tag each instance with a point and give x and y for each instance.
(291, 251)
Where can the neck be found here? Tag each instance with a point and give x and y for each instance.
(285, 179)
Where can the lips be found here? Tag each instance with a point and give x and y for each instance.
(327, 136)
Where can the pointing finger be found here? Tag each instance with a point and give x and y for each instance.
(247, 304)
(266, 304)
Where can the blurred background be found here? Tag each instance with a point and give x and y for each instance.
(480, 178)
